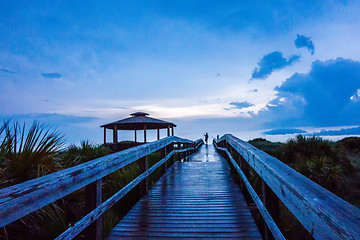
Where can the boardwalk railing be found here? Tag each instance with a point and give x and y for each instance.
(323, 214)
(19, 200)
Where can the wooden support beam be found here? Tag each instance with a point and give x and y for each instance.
(135, 136)
(271, 202)
(143, 167)
(104, 135)
(158, 134)
(163, 154)
(244, 166)
(144, 133)
(115, 138)
(172, 131)
(93, 193)
(169, 149)
(168, 131)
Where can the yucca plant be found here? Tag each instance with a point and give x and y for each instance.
(74, 155)
(27, 154)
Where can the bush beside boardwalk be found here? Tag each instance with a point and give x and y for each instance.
(333, 165)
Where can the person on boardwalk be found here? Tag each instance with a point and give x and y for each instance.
(206, 137)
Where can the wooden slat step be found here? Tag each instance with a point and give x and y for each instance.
(193, 200)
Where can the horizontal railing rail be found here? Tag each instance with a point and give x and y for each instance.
(322, 213)
(22, 199)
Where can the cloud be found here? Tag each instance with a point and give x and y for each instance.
(252, 90)
(302, 41)
(57, 119)
(322, 97)
(241, 105)
(343, 131)
(51, 75)
(74, 128)
(270, 62)
(6, 70)
(284, 131)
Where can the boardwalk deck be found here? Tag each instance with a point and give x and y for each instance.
(194, 199)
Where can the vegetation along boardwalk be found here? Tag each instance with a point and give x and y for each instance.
(196, 198)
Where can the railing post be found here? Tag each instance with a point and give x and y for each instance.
(93, 193)
(178, 156)
(244, 166)
(163, 154)
(271, 203)
(143, 185)
(169, 149)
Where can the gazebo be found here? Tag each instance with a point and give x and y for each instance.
(138, 121)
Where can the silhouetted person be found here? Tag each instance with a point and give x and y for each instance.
(206, 137)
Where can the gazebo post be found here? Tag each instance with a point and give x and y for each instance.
(144, 133)
(158, 134)
(135, 135)
(104, 135)
(172, 130)
(115, 138)
(168, 130)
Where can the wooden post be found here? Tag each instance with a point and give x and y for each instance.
(93, 193)
(172, 130)
(144, 133)
(244, 166)
(271, 203)
(168, 130)
(135, 135)
(169, 149)
(115, 134)
(158, 134)
(143, 185)
(188, 152)
(181, 154)
(104, 135)
(163, 154)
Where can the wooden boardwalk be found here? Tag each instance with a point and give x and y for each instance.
(194, 199)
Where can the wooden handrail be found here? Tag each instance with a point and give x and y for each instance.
(322, 213)
(19, 200)
(262, 209)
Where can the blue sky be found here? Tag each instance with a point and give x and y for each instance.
(255, 69)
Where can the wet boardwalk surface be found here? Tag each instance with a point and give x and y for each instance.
(194, 199)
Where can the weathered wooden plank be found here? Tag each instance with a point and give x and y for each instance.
(322, 213)
(21, 199)
(189, 225)
(263, 211)
(191, 200)
(161, 235)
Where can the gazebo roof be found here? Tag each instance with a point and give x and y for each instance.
(138, 121)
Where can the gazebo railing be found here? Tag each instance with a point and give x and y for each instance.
(323, 214)
(22, 199)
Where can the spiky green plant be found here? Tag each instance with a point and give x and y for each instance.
(74, 155)
(27, 153)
